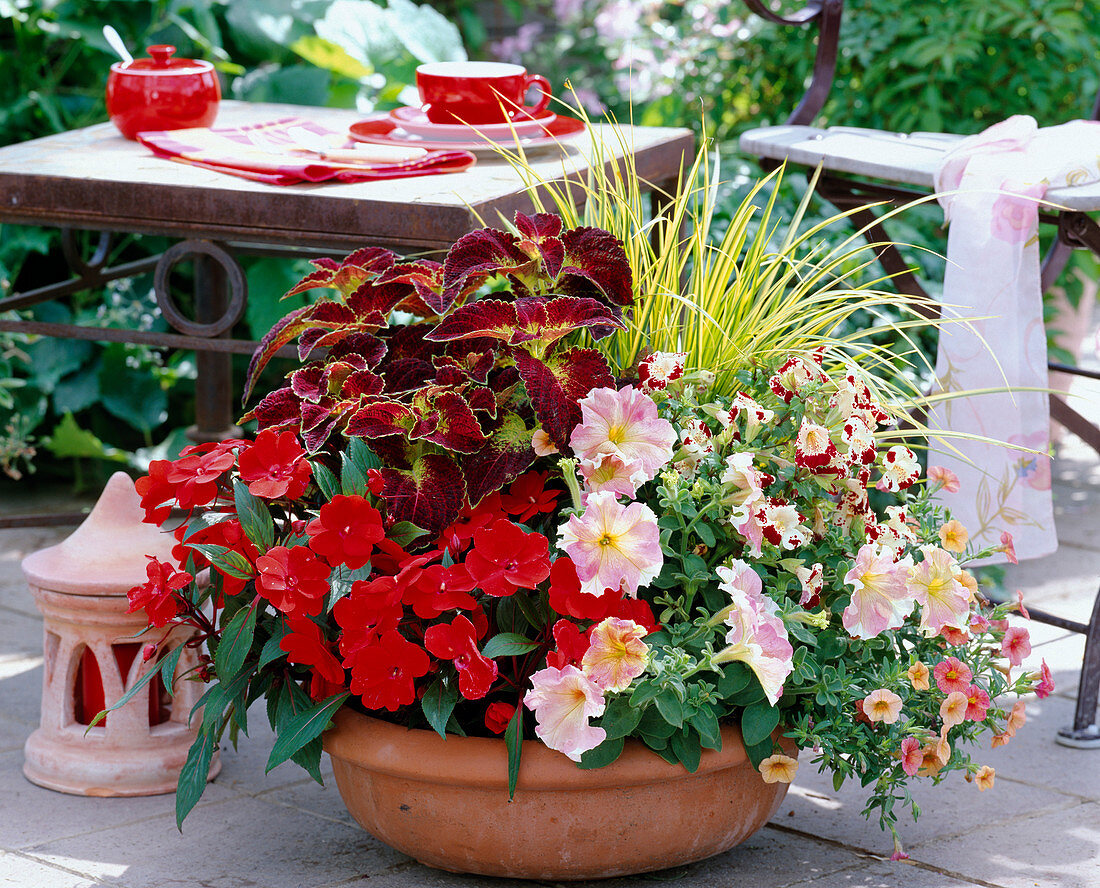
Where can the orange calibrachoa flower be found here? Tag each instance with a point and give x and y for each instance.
(954, 536)
(778, 769)
(918, 676)
(953, 709)
(984, 778)
(882, 705)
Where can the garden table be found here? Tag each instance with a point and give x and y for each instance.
(94, 179)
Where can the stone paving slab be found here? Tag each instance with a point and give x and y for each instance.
(17, 871)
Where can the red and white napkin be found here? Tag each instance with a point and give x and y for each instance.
(270, 152)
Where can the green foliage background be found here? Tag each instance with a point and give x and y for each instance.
(925, 65)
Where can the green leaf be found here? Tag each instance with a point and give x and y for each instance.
(645, 692)
(759, 751)
(670, 706)
(508, 644)
(602, 755)
(653, 725)
(706, 723)
(734, 678)
(361, 456)
(685, 746)
(353, 481)
(156, 670)
(227, 560)
(620, 717)
(405, 532)
(69, 440)
(221, 694)
(326, 481)
(309, 759)
(341, 580)
(192, 779)
(326, 54)
(302, 728)
(133, 394)
(513, 739)
(438, 702)
(168, 669)
(254, 516)
(271, 650)
(757, 723)
(705, 534)
(236, 641)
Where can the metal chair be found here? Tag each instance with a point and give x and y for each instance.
(865, 167)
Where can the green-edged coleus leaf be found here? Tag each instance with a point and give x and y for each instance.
(331, 327)
(380, 418)
(425, 277)
(558, 383)
(280, 409)
(445, 418)
(473, 366)
(505, 456)
(430, 494)
(531, 319)
(346, 276)
(542, 232)
(478, 256)
(286, 330)
(347, 378)
(595, 264)
(319, 421)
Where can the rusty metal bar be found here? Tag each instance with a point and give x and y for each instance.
(74, 285)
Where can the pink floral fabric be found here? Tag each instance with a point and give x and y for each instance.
(990, 186)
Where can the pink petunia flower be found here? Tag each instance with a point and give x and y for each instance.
(951, 675)
(911, 756)
(934, 584)
(609, 471)
(879, 597)
(745, 486)
(616, 654)
(1016, 645)
(563, 701)
(613, 545)
(625, 423)
(882, 705)
(944, 478)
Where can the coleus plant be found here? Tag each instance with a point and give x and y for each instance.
(450, 401)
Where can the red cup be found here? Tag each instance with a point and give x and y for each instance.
(162, 93)
(478, 92)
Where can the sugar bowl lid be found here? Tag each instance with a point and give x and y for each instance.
(160, 62)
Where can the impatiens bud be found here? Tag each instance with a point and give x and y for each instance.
(148, 652)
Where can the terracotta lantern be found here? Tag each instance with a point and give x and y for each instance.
(92, 656)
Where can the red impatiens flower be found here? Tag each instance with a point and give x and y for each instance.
(372, 609)
(228, 533)
(505, 558)
(384, 674)
(305, 644)
(497, 715)
(295, 580)
(346, 531)
(470, 520)
(571, 645)
(639, 611)
(158, 596)
(528, 496)
(457, 641)
(275, 465)
(435, 589)
(196, 477)
(155, 491)
(567, 599)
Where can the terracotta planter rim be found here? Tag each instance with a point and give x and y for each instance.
(424, 756)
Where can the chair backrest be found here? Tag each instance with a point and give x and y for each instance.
(825, 15)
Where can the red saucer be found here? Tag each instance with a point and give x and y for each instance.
(384, 130)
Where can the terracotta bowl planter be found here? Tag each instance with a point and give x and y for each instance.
(445, 802)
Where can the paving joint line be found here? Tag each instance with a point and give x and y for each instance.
(95, 880)
(864, 852)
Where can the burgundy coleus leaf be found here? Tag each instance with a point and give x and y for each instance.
(471, 367)
(348, 275)
(478, 256)
(541, 235)
(532, 319)
(430, 494)
(377, 419)
(446, 419)
(365, 347)
(557, 384)
(332, 333)
(425, 277)
(309, 383)
(483, 400)
(374, 296)
(361, 383)
(505, 456)
(595, 265)
(284, 331)
(318, 421)
(280, 409)
(493, 318)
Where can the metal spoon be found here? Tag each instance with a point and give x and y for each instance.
(115, 42)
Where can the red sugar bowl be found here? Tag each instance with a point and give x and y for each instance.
(162, 93)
